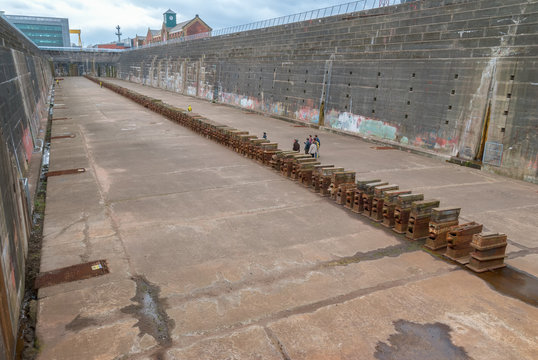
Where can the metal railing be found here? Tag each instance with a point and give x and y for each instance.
(60, 48)
(341, 9)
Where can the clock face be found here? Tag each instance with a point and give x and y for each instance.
(170, 17)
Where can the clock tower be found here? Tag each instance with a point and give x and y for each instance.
(169, 18)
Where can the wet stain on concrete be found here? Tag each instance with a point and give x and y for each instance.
(415, 342)
(80, 322)
(513, 283)
(389, 251)
(150, 312)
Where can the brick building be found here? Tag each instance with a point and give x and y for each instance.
(170, 29)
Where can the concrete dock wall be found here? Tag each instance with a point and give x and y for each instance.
(25, 78)
(456, 77)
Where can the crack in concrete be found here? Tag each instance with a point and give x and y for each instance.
(215, 188)
(102, 199)
(85, 257)
(265, 320)
(275, 341)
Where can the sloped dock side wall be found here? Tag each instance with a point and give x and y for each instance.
(453, 77)
(25, 79)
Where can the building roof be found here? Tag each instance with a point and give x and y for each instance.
(155, 32)
(168, 12)
(179, 27)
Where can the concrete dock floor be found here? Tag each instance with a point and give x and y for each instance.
(214, 256)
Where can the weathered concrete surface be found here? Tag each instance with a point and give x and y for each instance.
(501, 204)
(25, 79)
(243, 263)
(453, 77)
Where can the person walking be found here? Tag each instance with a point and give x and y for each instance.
(264, 135)
(306, 146)
(296, 146)
(318, 143)
(313, 151)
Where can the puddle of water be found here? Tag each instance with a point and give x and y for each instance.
(415, 342)
(389, 251)
(150, 312)
(513, 283)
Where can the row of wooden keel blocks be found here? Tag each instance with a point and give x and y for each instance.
(489, 252)
(404, 212)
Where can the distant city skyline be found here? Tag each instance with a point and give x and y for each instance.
(98, 19)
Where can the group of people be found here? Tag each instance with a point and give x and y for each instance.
(311, 146)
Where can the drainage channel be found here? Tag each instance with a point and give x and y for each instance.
(27, 347)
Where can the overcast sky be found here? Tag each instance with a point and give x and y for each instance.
(98, 18)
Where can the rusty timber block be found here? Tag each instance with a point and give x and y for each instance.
(489, 241)
(254, 146)
(287, 163)
(338, 178)
(316, 176)
(368, 196)
(438, 234)
(301, 167)
(322, 179)
(459, 241)
(419, 219)
(350, 197)
(485, 265)
(389, 204)
(403, 210)
(306, 173)
(376, 212)
(489, 252)
(401, 219)
(266, 151)
(418, 227)
(443, 215)
(298, 163)
(341, 193)
(357, 198)
(276, 161)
